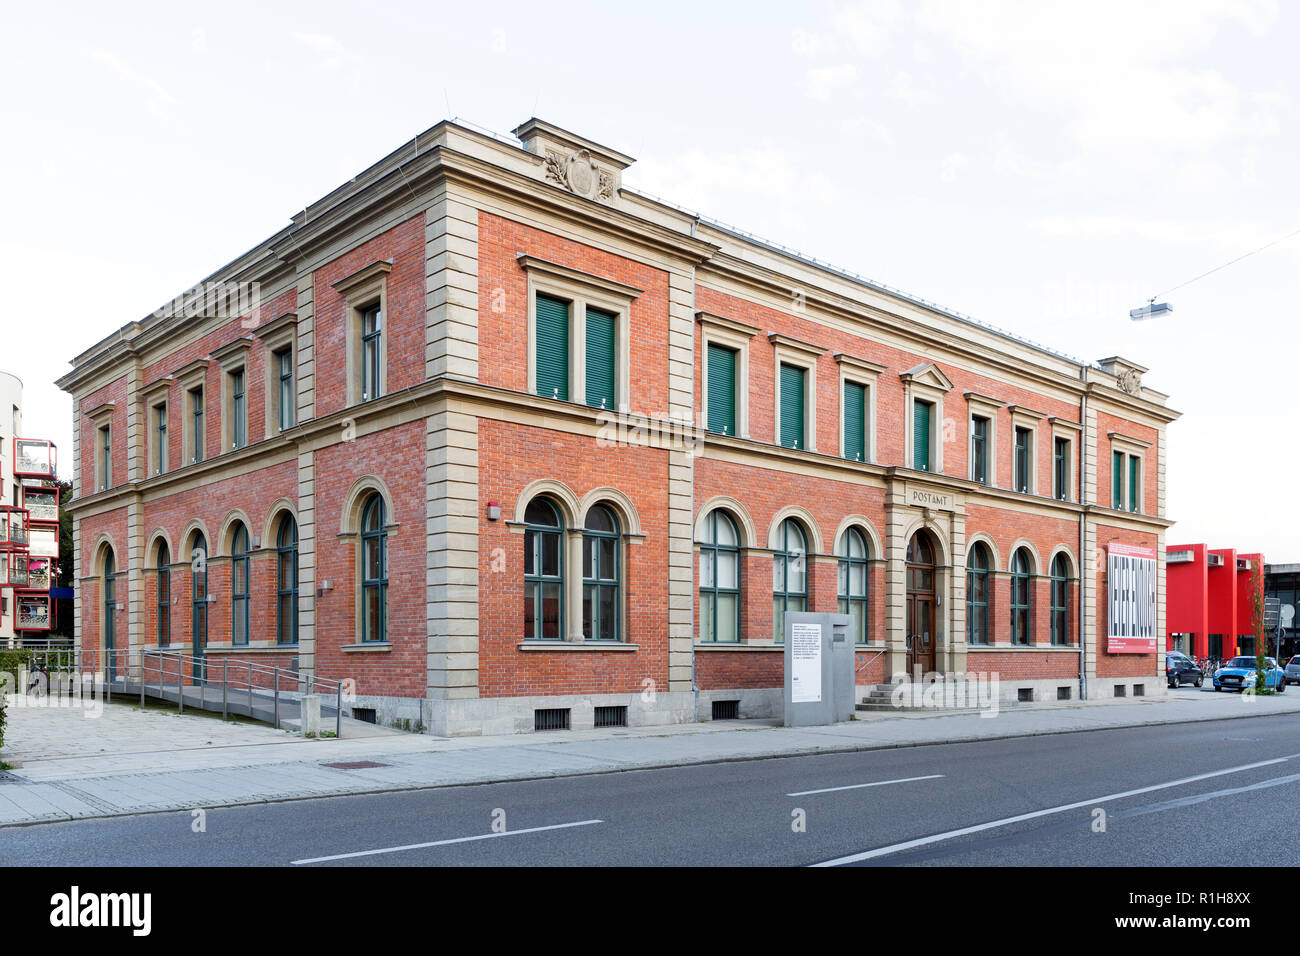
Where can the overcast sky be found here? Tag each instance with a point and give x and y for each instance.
(1041, 166)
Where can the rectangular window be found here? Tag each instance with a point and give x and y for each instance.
(722, 389)
(1061, 468)
(1022, 459)
(1117, 480)
(1134, 481)
(372, 332)
(105, 457)
(601, 358)
(855, 421)
(160, 439)
(979, 455)
(922, 412)
(238, 410)
(284, 365)
(196, 423)
(552, 347)
(792, 406)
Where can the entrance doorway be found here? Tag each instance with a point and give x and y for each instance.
(921, 638)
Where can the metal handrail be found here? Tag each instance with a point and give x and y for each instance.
(117, 661)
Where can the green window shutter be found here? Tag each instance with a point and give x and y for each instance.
(921, 435)
(1117, 480)
(722, 389)
(1133, 482)
(552, 347)
(792, 398)
(855, 420)
(600, 359)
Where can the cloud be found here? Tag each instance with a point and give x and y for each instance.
(159, 96)
(332, 55)
(825, 81)
(951, 166)
(860, 127)
(868, 25)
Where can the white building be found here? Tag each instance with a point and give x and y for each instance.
(11, 422)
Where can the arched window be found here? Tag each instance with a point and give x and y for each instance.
(1021, 616)
(853, 581)
(977, 594)
(543, 572)
(1060, 600)
(601, 576)
(198, 602)
(720, 580)
(110, 606)
(164, 595)
(374, 571)
(286, 582)
(239, 585)
(789, 575)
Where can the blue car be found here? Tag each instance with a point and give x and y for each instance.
(1239, 673)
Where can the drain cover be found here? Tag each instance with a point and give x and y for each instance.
(355, 764)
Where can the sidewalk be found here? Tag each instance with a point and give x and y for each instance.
(129, 762)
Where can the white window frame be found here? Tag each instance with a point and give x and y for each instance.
(981, 406)
(1029, 420)
(864, 373)
(101, 417)
(277, 336)
(716, 330)
(1071, 432)
(580, 290)
(233, 359)
(927, 383)
(152, 397)
(362, 291)
(788, 351)
(191, 377)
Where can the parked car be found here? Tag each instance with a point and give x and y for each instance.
(1239, 673)
(1181, 669)
(1292, 671)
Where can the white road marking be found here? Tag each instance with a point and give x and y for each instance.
(468, 839)
(859, 786)
(1006, 821)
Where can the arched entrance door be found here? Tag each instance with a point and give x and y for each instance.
(110, 606)
(920, 604)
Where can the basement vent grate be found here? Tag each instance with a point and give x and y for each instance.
(1063, 693)
(726, 710)
(1139, 690)
(611, 716)
(364, 713)
(1120, 690)
(355, 764)
(1025, 695)
(556, 718)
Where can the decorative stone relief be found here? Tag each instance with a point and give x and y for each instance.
(579, 175)
(1130, 380)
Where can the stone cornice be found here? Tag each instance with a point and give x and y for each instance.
(708, 319)
(566, 274)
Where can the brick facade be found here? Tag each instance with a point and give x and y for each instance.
(450, 245)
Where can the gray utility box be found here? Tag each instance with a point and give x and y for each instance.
(819, 673)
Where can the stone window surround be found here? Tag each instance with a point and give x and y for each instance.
(715, 330)
(232, 358)
(983, 406)
(1132, 448)
(152, 397)
(276, 336)
(580, 290)
(101, 417)
(1071, 432)
(927, 383)
(1029, 420)
(192, 376)
(864, 373)
(788, 351)
(361, 291)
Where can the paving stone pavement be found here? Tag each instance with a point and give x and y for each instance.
(126, 761)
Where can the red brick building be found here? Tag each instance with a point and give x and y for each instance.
(499, 435)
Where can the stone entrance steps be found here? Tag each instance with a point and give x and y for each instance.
(951, 697)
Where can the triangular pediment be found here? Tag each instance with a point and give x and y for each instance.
(927, 374)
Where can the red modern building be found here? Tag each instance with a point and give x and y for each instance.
(1210, 600)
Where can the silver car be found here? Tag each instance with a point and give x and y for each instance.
(1292, 672)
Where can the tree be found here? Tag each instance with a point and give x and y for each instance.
(1257, 623)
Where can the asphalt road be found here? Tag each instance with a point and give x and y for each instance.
(1212, 794)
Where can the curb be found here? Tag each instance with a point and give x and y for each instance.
(649, 765)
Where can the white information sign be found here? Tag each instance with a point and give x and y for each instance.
(805, 663)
